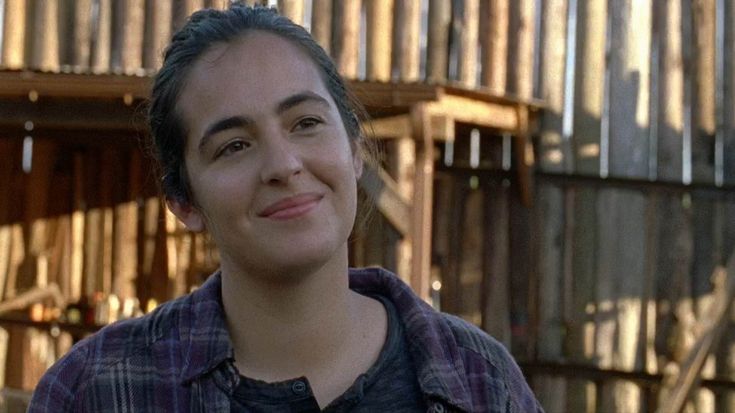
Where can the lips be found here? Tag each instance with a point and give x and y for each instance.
(291, 207)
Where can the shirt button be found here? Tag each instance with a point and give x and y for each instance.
(298, 387)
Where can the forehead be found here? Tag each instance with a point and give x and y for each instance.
(249, 74)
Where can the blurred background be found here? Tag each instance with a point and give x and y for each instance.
(559, 172)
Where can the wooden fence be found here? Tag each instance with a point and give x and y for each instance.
(610, 269)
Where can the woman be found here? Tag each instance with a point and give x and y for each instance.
(261, 147)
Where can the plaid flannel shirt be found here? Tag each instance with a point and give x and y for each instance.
(180, 358)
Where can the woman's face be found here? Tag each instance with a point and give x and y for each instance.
(271, 167)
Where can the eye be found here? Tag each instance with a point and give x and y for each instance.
(232, 147)
(307, 123)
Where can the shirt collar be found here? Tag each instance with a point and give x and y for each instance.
(431, 343)
(203, 331)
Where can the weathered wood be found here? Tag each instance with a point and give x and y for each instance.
(82, 35)
(77, 228)
(346, 37)
(102, 35)
(394, 127)
(14, 34)
(422, 202)
(520, 48)
(405, 172)
(132, 36)
(406, 51)
(688, 375)
(468, 43)
(388, 197)
(32, 296)
(379, 33)
(552, 149)
(440, 16)
(496, 283)
(588, 84)
(125, 253)
(45, 41)
(703, 103)
(157, 32)
(109, 159)
(671, 92)
(728, 110)
(321, 23)
(550, 217)
(494, 41)
(293, 9)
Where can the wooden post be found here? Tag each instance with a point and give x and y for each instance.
(440, 16)
(82, 35)
(14, 30)
(110, 158)
(321, 23)
(468, 43)
(520, 48)
(45, 51)
(379, 39)
(494, 40)
(293, 9)
(8, 150)
(346, 38)
(422, 201)
(102, 38)
(406, 51)
(157, 33)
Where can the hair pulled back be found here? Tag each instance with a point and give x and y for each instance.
(204, 29)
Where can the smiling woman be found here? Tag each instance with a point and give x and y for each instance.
(260, 147)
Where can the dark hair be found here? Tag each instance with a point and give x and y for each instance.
(204, 29)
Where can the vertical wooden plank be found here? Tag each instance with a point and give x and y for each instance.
(321, 23)
(495, 45)
(14, 30)
(157, 32)
(92, 225)
(728, 110)
(406, 50)
(470, 275)
(622, 213)
(82, 35)
(520, 48)
(293, 9)
(403, 157)
(588, 87)
(671, 92)
(346, 37)
(422, 201)
(551, 206)
(703, 104)
(440, 16)
(109, 159)
(379, 39)
(125, 256)
(8, 152)
(45, 49)
(496, 283)
(102, 37)
(132, 36)
(77, 229)
(553, 57)
(468, 43)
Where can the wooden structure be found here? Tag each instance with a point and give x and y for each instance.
(589, 254)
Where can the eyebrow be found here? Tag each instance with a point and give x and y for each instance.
(241, 121)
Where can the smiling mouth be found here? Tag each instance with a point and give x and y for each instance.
(291, 207)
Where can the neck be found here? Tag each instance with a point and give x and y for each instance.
(288, 325)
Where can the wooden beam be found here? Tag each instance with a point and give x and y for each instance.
(384, 191)
(462, 109)
(32, 296)
(394, 127)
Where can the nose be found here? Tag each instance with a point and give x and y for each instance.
(281, 161)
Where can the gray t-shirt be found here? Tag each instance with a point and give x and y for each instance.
(389, 385)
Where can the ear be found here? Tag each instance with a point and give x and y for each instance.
(187, 214)
(357, 164)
